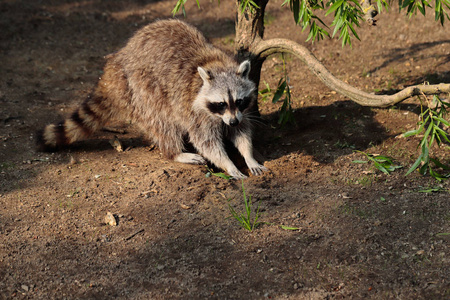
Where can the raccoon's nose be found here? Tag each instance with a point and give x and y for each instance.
(234, 122)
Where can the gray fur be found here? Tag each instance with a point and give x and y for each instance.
(163, 80)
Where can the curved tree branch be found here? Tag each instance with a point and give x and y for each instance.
(267, 47)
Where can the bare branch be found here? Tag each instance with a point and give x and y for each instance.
(267, 47)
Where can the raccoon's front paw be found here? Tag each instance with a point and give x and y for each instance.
(236, 174)
(190, 158)
(257, 169)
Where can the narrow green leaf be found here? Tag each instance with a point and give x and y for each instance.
(381, 158)
(381, 167)
(289, 228)
(439, 164)
(443, 234)
(279, 92)
(415, 165)
(427, 133)
(432, 190)
(442, 133)
(360, 161)
(423, 169)
(334, 7)
(296, 10)
(440, 119)
(411, 132)
(436, 175)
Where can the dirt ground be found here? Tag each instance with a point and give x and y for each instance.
(362, 234)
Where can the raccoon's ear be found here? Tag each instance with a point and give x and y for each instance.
(244, 68)
(205, 75)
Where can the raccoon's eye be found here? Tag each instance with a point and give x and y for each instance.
(242, 103)
(221, 104)
(217, 107)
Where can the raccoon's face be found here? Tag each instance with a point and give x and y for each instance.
(227, 94)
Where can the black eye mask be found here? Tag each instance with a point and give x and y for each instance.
(217, 107)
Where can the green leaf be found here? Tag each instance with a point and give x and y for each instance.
(381, 158)
(289, 228)
(220, 175)
(354, 32)
(334, 7)
(442, 133)
(437, 176)
(432, 190)
(279, 92)
(360, 161)
(411, 132)
(440, 119)
(415, 165)
(296, 10)
(439, 164)
(380, 167)
(423, 169)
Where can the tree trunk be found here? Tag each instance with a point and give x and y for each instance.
(249, 32)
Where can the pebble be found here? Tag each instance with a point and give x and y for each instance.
(25, 287)
(110, 219)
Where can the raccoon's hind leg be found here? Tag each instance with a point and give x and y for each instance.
(190, 158)
(170, 141)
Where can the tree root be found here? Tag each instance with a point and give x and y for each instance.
(264, 48)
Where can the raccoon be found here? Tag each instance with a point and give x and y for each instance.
(176, 87)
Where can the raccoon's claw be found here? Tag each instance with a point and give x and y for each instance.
(258, 169)
(255, 168)
(190, 158)
(237, 175)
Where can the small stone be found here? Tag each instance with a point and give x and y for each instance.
(73, 161)
(25, 287)
(377, 223)
(183, 206)
(116, 144)
(110, 219)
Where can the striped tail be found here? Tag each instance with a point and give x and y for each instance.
(84, 121)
